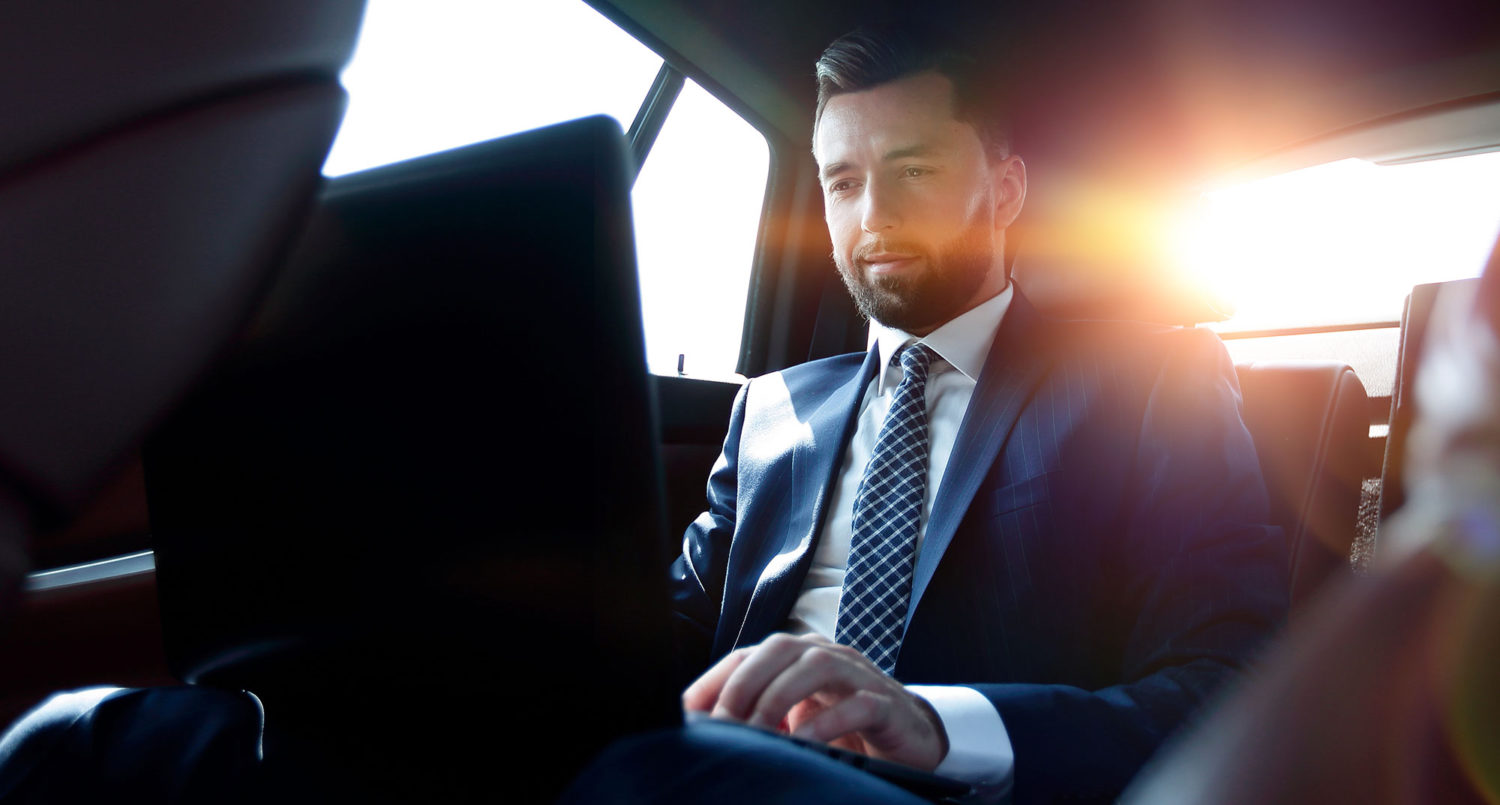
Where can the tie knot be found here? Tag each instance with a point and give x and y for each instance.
(915, 358)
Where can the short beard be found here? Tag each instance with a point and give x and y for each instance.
(930, 297)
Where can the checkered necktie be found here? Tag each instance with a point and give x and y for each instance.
(887, 516)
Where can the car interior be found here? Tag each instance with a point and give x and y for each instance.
(320, 436)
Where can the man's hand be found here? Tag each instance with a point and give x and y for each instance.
(822, 691)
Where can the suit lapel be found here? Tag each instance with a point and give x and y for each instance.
(816, 459)
(1017, 360)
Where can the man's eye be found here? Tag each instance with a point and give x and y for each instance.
(841, 186)
(914, 172)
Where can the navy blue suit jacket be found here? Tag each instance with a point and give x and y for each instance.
(1097, 560)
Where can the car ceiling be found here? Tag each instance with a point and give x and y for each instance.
(1171, 91)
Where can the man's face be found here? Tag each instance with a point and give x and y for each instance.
(915, 209)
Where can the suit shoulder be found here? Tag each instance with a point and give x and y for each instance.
(816, 374)
(792, 394)
(838, 364)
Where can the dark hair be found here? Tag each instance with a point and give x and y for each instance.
(873, 55)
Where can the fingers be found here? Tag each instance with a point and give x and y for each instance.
(824, 670)
(802, 712)
(733, 687)
(863, 711)
(835, 693)
(772, 662)
(889, 724)
(703, 694)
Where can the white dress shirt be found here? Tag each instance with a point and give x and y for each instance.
(979, 749)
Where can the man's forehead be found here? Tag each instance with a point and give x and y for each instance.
(901, 115)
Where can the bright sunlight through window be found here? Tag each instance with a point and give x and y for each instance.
(438, 74)
(697, 212)
(1343, 243)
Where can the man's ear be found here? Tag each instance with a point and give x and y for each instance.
(1010, 190)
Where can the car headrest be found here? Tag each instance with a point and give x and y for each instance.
(164, 158)
(76, 70)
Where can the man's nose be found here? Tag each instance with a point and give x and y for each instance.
(882, 211)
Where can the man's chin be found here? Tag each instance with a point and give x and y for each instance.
(893, 301)
(897, 314)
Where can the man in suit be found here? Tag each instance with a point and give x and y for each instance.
(997, 546)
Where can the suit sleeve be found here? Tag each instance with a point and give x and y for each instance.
(697, 575)
(1200, 568)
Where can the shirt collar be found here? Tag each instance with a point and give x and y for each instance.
(963, 342)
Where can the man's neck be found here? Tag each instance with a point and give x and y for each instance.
(963, 341)
(983, 295)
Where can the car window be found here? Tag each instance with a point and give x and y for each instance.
(440, 74)
(697, 212)
(1343, 243)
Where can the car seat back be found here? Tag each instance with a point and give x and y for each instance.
(1310, 423)
(159, 159)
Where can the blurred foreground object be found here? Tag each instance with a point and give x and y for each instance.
(160, 160)
(1387, 693)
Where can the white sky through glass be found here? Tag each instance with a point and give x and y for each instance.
(437, 74)
(697, 213)
(1344, 242)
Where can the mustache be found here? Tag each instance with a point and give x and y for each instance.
(864, 250)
